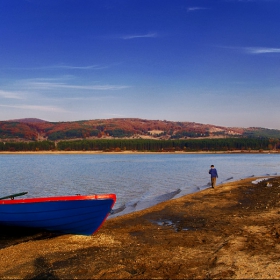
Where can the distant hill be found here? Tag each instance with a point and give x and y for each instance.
(33, 129)
(28, 120)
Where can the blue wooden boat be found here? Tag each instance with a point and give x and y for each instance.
(79, 214)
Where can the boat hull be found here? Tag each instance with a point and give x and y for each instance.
(69, 214)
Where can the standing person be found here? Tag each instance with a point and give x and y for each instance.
(214, 175)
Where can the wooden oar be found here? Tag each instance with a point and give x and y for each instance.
(12, 196)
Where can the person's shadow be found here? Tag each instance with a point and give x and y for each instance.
(42, 270)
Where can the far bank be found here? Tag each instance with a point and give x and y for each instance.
(226, 145)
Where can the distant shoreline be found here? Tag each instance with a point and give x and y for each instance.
(139, 152)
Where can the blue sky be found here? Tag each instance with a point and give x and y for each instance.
(207, 61)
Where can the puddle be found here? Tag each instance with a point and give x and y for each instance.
(168, 223)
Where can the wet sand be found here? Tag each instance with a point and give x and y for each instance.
(231, 231)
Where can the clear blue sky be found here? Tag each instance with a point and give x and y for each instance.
(206, 61)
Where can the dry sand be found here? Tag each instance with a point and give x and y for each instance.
(230, 232)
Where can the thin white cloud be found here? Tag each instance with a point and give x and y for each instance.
(148, 35)
(261, 50)
(29, 82)
(89, 67)
(46, 85)
(35, 108)
(253, 50)
(192, 9)
(10, 94)
(63, 66)
(90, 98)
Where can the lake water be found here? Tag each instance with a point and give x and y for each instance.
(139, 180)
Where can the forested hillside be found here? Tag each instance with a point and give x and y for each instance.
(131, 134)
(122, 128)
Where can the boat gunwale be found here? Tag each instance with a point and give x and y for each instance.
(59, 199)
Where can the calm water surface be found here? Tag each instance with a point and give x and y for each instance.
(139, 180)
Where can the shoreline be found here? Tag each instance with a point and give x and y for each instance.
(139, 152)
(229, 232)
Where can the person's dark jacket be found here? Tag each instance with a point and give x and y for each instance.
(213, 172)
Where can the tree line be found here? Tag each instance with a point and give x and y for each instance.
(27, 146)
(221, 144)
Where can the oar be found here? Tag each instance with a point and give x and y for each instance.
(12, 196)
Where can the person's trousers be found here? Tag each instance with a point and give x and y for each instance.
(213, 182)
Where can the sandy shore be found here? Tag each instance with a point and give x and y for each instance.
(231, 232)
(144, 152)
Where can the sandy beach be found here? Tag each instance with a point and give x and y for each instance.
(231, 232)
(139, 152)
